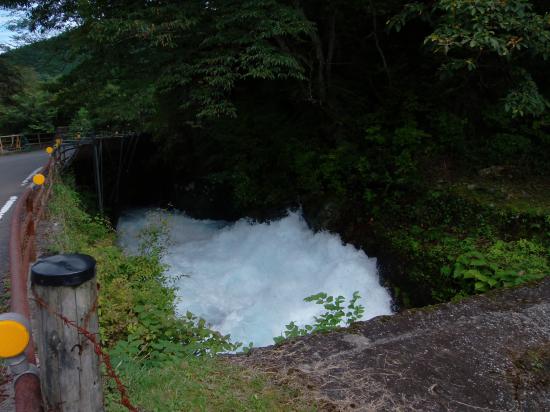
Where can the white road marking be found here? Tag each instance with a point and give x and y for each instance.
(29, 177)
(7, 206)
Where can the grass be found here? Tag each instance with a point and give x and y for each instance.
(531, 196)
(146, 341)
(504, 219)
(204, 384)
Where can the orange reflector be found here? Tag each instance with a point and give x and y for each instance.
(14, 338)
(38, 179)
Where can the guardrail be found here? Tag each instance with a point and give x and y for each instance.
(52, 386)
(27, 214)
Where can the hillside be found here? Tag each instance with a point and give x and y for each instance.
(50, 58)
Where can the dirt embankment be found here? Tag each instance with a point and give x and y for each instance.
(486, 353)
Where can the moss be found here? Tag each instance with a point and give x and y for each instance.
(429, 233)
(533, 368)
(525, 196)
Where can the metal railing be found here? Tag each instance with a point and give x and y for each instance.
(21, 142)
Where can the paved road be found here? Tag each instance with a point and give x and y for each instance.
(15, 173)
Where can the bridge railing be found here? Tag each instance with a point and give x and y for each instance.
(25, 141)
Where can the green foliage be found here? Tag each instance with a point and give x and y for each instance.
(492, 36)
(77, 228)
(136, 308)
(49, 58)
(525, 98)
(31, 111)
(81, 123)
(430, 234)
(450, 130)
(503, 264)
(201, 384)
(507, 147)
(157, 338)
(269, 104)
(26, 104)
(505, 28)
(349, 169)
(336, 315)
(10, 80)
(156, 354)
(195, 54)
(181, 72)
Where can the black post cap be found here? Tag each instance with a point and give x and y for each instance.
(63, 270)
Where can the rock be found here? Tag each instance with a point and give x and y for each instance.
(322, 215)
(487, 352)
(492, 171)
(203, 200)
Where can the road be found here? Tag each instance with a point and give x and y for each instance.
(15, 174)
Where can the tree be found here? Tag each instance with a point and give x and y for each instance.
(27, 107)
(493, 42)
(194, 50)
(10, 81)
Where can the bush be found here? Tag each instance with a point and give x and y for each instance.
(337, 314)
(136, 307)
(167, 362)
(503, 264)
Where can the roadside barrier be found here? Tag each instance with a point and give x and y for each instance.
(26, 215)
(64, 296)
(67, 279)
(64, 288)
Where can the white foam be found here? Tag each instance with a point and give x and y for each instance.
(249, 279)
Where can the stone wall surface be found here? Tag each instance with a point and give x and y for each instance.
(487, 353)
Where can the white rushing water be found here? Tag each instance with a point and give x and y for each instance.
(249, 279)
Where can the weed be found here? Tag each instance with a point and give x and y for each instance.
(337, 314)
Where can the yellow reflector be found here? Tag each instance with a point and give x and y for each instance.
(14, 338)
(38, 179)
(49, 150)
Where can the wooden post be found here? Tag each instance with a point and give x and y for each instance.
(65, 288)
